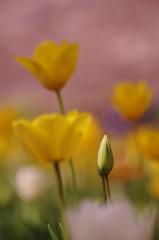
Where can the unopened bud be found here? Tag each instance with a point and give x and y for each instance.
(105, 158)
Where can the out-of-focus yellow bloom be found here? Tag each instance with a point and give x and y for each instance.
(127, 163)
(148, 140)
(133, 154)
(7, 116)
(52, 138)
(132, 100)
(85, 155)
(152, 172)
(51, 64)
(153, 187)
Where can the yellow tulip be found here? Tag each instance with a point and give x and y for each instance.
(52, 138)
(51, 64)
(148, 140)
(132, 100)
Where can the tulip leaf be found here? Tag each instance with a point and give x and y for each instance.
(63, 233)
(53, 236)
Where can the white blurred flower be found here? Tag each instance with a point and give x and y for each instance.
(30, 183)
(117, 221)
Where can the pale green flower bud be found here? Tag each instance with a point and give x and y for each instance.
(105, 158)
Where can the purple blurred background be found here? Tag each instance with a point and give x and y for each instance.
(118, 40)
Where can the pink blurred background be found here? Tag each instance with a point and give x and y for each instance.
(118, 40)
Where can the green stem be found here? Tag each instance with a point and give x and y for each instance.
(70, 160)
(59, 182)
(62, 205)
(74, 181)
(60, 102)
(140, 160)
(139, 156)
(104, 190)
(108, 188)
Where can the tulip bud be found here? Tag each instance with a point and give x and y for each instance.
(105, 158)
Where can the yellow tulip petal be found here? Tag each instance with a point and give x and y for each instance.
(82, 122)
(71, 116)
(34, 140)
(74, 133)
(45, 122)
(144, 97)
(65, 65)
(142, 87)
(45, 55)
(54, 126)
(121, 92)
(85, 155)
(30, 65)
(59, 131)
(64, 45)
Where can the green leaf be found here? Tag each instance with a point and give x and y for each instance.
(63, 234)
(53, 236)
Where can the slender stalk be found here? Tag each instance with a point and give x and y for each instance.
(74, 181)
(137, 146)
(59, 182)
(140, 160)
(62, 109)
(60, 102)
(108, 188)
(104, 190)
(62, 205)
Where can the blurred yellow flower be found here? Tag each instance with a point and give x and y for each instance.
(152, 173)
(51, 64)
(52, 138)
(126, 165)
(153, 187)
(8, 114)
(85, 155)
(132, 100)
(148, 140)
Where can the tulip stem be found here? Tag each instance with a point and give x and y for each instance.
(59, 182)
(60, 102)
(73, 181)
(104, 189)
(62, 109)
(108, 188)
(61, 194)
